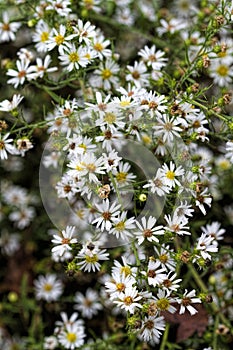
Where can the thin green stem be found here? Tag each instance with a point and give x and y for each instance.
(165, 337)
(215, 335)
(138, 262)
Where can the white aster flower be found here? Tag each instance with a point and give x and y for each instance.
(88, 304)
(122, 227)
(6, 146)
(118, 283)
(64, 240)
(48, 287)
(147, 230)
(24, 72)
(186, 301)
(90, 259)
(106, 212)
(128, 300)
(151, 328)
(72, 337)
(7, 28)
(205, 245)
(8, 106)
(155, 273)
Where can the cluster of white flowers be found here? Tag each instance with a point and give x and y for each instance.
(135, 142)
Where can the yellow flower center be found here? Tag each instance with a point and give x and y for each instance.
(121, 176)
(163, 258)
(79, 167)
(224, 164)
(71, 337)
(128, 300)
(120, 286)
(91, 259)
(98, 47)
(106, 74)
(223, 70)
(91, 167)
(110, 118)
(44, 36)
(48, 287)
(120, 226)
(163, 304)
(125, 103)
(59, 39)
(170, 175)
(74, 57)
(126, 270)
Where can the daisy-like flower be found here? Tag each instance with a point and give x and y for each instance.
(88, 305)
(118, 283)
(170, 174)
(171, 283)
(163, 255)
(24, 72)
(164, 301)
(9, 243)
(138, 74)
(177, 224)
(72, 336)
(122, 227)
(7, 28)
(172, 26)
(6, 146)
(111, 160)
(8, 106)
(48, 287)
(59, 39)
(206, 245)
(229, 151)
(67, 187)
(79, 144)
(185, 302)
(86, 31)
(122, 175)
(41, 36)
(99, 45)
(152, 57)
(153, 103)
(42, 67)
(50, 343)
(90, 259)
(106, 212)
(60, 6)
(73, 320)
(86, 165)
(155, 273)
(22, 217)
(73, 58)
(101, 106)
(158, 184)
(151, 328)
(147, 230)
(64, 240)
(125, 268)
(221, 73)
(167, 128)
(214, 230)
(128, 300)
(112, 119)
(106, 75)
(203, 198)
